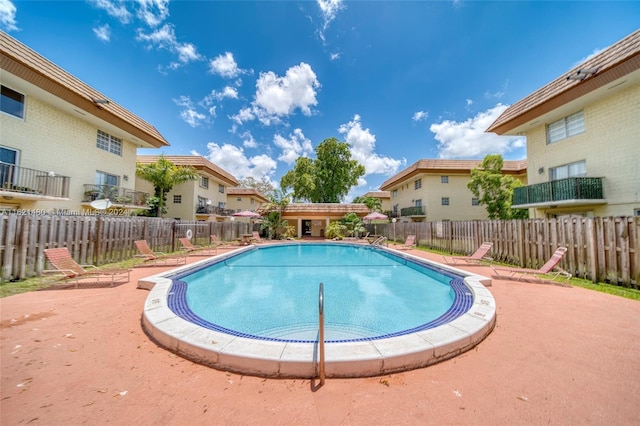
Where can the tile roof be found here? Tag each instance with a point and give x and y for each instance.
(449, 166)
(611, 64)
(20, 60)
(378, 194)
(196, 161)
(247, 191)
(326, 208)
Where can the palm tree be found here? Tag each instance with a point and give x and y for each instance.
(164, 175)
(272, 212)
(373, 203)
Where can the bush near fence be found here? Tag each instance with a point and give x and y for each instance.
(602, 249)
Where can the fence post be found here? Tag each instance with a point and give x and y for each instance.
(98, 241)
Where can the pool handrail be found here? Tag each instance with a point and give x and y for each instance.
(321, 334)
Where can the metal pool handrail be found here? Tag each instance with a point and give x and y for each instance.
(321, 333)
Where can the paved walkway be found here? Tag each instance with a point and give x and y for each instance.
(558, 355)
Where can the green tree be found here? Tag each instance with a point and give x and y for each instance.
(164, 175)
(328, 178)
(373, 203)
(353, 224)
(263, 185)
(272, 213)
(495, 190)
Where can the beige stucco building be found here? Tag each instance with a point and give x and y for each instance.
(435, 189)
(203, 199)
(245, 199)
(64, 144)
(384, 197)
(311, 219)
(583, 137)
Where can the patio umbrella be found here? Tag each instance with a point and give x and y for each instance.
(247, 213)
(375, 216)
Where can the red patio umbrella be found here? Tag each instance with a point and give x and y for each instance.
(247, 213)
(375, 216)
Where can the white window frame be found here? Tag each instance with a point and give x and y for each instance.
(109, 143)
(204, 182)
(445, 201)
(570, 170)
(10, 101)
(221, 188)
(417, 184)
(102, 178)
(566, 127)
(475, 201)
(444, 179)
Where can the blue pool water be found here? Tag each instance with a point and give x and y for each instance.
(271, 293)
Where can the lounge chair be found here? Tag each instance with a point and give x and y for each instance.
(215, 241)
(547, 272)
(68, 270)
(256, 237)
(477, 258)
(198, 250)
(157, 258)
(409, 243)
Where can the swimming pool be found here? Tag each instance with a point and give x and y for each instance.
(178, 316)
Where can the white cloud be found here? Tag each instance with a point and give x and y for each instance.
(363, 145)
(227, 92)
(165, 38)
(115, 9)
(468, 139)
(329, 10)
(281, 96)
(233, 159)
(225, 66)
(103, 32)
(334, 56)
(189, 113)
(153, 12)
(8, 16)
(248, 140)
(244, 115)
(420, 115)
(297, 145)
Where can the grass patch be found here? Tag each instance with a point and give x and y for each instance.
(616, 290)
(10, 288)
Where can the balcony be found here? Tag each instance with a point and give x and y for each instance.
(29, 184)
(412, 211)
(218, 211)
(117, 195)
(579, 191)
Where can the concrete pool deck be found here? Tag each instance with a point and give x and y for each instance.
(557, 355)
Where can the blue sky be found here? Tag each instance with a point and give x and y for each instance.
(253, 85)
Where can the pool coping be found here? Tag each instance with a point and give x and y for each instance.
(266, 358)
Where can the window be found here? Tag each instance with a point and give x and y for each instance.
(204, 182)
(109, 143)
(12, 102)
(475, 201)
(221, 189)
(9, 161)
(252, 200)
(417, 184)
(395, 208)
(577, 169)
(103, 178)
(239, 199)
(418, 203)
(177, 199)
(394, 193)
(445, 201)
(222, 204)
(568, 126)
(444, 179)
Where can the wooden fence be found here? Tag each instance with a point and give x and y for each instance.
(94, 240)
(603, 249)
